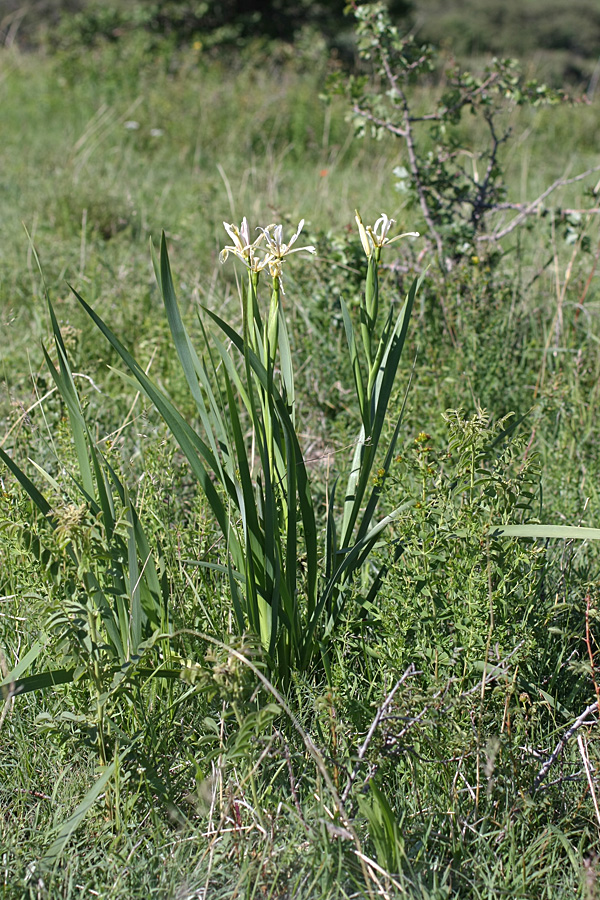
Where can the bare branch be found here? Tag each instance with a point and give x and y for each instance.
(378, 716)
(414, 168)
(532, 207)
(381, 123)
(563, 741)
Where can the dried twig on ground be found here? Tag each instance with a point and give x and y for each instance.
(378, 717)
(593, 707)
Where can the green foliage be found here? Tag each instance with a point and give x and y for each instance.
(231, 23)
(414, 762)
(512, 28)
(108, 619)
(457, 190)
(454, 606)
(295, 617)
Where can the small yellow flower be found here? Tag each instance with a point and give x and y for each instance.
(275, 266)
(376, 236)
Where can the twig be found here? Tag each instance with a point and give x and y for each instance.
(588, 772)
(377, 868)
(577, 776)
(587, 284)
(381, 123)
(588, 641)
(480, 203)
(378, 717)
(532, 207)
(286, 751)
(559, 747)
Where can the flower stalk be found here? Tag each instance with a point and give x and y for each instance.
(373, 239)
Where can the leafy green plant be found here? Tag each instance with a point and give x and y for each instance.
(264, 503)
(108, 622)
(458, 189)
(455, 606)
(114, 629)
(109, 619)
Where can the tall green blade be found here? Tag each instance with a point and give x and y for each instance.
(191, 444)
(302, 479)
(389, 364)
(553, 532)
(63, 379)
(11, 682)
(56, 848)
(364, 457)
(190, 363)
(355, 363)
(246, 503)
(371, 507)
(286, 363)
(26, 483)
(134, 593)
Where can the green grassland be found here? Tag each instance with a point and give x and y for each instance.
(405, 758)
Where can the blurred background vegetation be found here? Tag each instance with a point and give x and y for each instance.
(559, 40)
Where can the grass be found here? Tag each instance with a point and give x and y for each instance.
(405, 766)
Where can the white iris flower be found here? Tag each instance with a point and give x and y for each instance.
(376, 236)
(273, 235)
(277, 250)
(273, 252)
(242, 247)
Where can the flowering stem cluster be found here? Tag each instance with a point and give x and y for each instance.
(373, 378)
(257, 257)
(373, 239)
(267, 251)
(263, 498)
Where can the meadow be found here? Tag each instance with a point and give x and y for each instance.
(299, 580)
